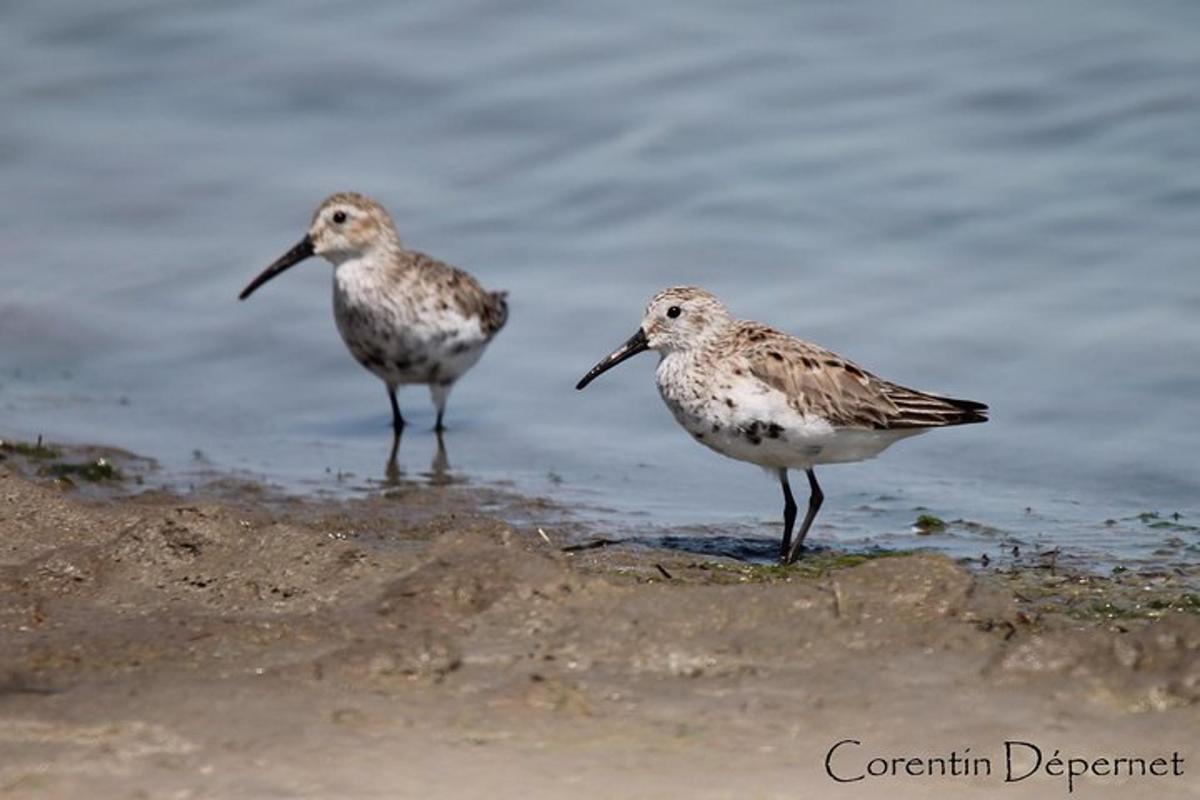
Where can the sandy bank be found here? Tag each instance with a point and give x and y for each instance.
(237, 645)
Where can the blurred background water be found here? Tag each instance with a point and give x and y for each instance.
(995, 201)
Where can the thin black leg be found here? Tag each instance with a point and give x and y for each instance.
(397, 418)
(815, 498)
(439, 427)
(789, 516)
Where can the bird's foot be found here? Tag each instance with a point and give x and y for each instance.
(789, 556)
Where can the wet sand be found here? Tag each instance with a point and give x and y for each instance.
(438, 641)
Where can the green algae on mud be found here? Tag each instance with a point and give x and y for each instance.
(36, 450)
(92, 471)
(1121, 597)
(71, 466)
(1127, 598)
(810, 566)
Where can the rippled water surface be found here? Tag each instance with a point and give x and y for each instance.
(995, 201)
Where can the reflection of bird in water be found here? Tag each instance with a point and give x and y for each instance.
(404, 316)
(756, 394)
(439, 468)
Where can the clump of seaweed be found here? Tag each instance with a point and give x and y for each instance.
(91, 471)
(928, 523)
(35, 450)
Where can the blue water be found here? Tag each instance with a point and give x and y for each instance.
(997, 201)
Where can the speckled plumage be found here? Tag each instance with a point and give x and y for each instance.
(406, 317)
(756, 394)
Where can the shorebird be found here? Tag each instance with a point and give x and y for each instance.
(756, 394)
(406, 317)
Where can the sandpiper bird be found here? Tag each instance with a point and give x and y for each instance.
(756, 394)
(406, 317)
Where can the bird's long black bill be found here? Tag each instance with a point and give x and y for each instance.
(636, 344)
(303, 250)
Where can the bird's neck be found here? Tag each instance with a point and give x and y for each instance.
(370, 272)
(697, 344)
(378, 260)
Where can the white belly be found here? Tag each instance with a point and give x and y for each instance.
(401, 338)
(749, 421)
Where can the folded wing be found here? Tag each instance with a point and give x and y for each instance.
(821, 383)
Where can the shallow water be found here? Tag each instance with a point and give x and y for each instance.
(994, 202)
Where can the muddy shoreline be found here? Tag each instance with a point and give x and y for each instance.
(448, 641)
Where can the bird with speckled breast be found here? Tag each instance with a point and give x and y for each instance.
(756, 394)
(406, 317)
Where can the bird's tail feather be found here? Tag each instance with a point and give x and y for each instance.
(497, 311)
(921, 410)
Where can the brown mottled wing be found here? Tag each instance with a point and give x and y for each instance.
(468, 296)
(820, 382)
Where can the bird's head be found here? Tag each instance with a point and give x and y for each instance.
(676, 319)
(346, 225)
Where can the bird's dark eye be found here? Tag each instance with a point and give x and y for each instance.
(674, 311)
(339, 217)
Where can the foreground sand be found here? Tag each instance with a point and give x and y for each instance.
(237, 645)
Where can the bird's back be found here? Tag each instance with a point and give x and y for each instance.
(459, 290)
(821, 383)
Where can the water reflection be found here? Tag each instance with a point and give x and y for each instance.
(439, 467)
